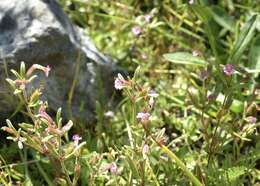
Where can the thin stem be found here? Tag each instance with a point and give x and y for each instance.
(46, 177)
(65, 171)
(219, 116)
(74, 83)
(179, 163)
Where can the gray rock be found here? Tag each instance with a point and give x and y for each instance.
(38, 31)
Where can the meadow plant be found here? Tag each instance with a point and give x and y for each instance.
(47, 136)
(143, 97)
(190, 117)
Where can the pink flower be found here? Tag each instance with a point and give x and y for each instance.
(143, 116)
(136, 30)
(147, 18)
(228, 69)
(211, 97)
(113, 168)
(120, 82)
(152, 93)
(43, 114)
(42, 109)
(251, 119)
(21, 84)
(145, 151)
(47, 70)
(76, 138)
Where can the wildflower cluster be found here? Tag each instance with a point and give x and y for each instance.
(144, 22)
(150, 95)
(44, 134)
(136, 93)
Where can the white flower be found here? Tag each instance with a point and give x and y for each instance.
(110, 114)
(145, 151)
(120, 82)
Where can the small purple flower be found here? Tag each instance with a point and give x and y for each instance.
(211, 97)
(251, 119)
(113, 168)
(143, 116)
(229, 69)
(147, 18)
(136, 30)
(76, 138)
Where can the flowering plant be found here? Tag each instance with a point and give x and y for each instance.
(45, 135)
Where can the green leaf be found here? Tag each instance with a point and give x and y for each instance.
(22, 69)
(26, 126)
(258, 24)
(17, 75)
(184, 58)
(47, 138)
(246, 35)
(11, 82)
(204, 13)
(234, 173)
(223, 19)
(133, 167)
(58, 117)
(237, 106)
(254, 54)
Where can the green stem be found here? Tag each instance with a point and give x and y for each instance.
(74, 83)
(65, 171)
(43, 173)
(181, 165)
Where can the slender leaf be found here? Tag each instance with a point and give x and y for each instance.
(184, 58)
(211, 28)
(246, 35)
(234, 173)
(254, 54)
(223, 19)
